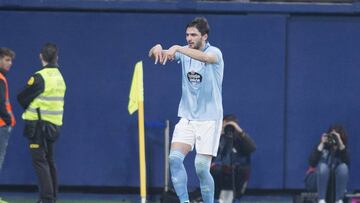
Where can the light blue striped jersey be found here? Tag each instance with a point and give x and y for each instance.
(201, 87)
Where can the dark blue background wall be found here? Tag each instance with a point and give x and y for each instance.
(323, 76)
(288, 75)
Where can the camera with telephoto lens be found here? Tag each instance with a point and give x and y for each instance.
(229, 130)
(331, 139)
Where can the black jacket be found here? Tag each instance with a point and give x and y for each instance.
(340, 155)
(239, 154)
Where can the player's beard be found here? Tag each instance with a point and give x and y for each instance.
(196, 45)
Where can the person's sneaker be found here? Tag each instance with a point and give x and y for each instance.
(339, 201)
(322, 201)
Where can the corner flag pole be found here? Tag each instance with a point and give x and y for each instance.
(136, 102)
(142, 152)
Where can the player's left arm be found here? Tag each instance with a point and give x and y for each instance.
(206, 57)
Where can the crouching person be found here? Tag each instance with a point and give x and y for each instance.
(232, 166)
(329, 160)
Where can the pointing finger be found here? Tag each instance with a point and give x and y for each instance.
(165, 60)
(156, 58)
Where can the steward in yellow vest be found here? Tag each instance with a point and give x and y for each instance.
(50, 102)
(43, 101)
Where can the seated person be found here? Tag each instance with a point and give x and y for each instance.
(330, 152)
(233, 155)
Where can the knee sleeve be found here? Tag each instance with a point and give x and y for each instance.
(178, 174)
(202, 165)
(176, 159)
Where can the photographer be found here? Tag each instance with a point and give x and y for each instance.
(232, 164)
(330, 154)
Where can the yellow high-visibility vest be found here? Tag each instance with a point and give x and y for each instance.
(51, 101)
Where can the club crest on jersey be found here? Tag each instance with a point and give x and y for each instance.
(194, 77)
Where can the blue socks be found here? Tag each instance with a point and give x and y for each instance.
(178, 175)
(202, 166)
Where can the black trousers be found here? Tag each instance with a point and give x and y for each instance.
(42, 153)
(223, 178)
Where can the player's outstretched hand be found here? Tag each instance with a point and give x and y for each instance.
(156, 53)
(170, 54)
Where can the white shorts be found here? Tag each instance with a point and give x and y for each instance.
(205, 135)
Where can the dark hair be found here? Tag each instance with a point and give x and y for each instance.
(230, 117)
(49, 53)
(201, 24)
(339, 129)
(6, 52)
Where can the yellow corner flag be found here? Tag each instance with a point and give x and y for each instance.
(136, 102)
(137, 88)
